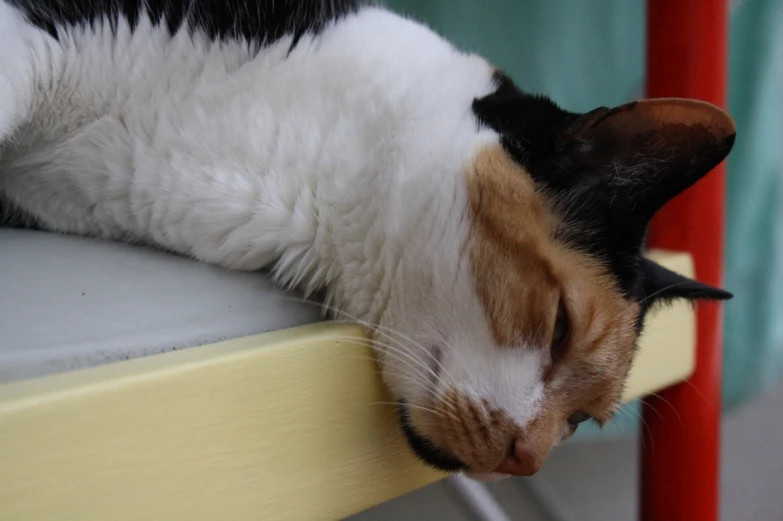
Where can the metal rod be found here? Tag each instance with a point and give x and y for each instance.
(475, 499)
(686, 57)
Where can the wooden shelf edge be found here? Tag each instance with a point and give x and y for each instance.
(285, 425)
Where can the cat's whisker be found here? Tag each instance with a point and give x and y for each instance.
(633, 414)
(670, 286)
(394, 353)
(352, 340)
(445, 399)
(385, 331)
(391, 351)
(382, 330)
(653, 409)
(429, 424)
(350, 319)
(379, 329)
(443, 368)
(412, 406)
(674, 409)
(701, 394)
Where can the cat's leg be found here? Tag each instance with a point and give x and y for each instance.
(26, 54)
(24, 49)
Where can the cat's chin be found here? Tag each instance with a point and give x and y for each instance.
(485, 477)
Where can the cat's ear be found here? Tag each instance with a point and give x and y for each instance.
(663, 285)
(642, 154)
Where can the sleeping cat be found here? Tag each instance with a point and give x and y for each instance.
(491, 240)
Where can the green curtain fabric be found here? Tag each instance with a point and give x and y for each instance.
(582, 54)
(587, 54)
(753, 352)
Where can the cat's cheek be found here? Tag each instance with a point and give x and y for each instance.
(396, 378)
(390, 378)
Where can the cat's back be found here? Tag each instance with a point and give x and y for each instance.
(142, 110)
(88, 55)
(95, 48)
(258, 21)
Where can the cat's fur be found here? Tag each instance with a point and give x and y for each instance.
(491, 239)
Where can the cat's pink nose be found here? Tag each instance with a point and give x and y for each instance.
(523, 460)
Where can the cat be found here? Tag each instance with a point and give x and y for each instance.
(490, 240)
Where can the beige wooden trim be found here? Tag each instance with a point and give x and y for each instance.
(280, 426)
(667, 349)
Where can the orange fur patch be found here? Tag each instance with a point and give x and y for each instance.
(472, 431)
(521, 272)
(514, 277)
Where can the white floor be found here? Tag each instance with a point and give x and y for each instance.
(597, 481)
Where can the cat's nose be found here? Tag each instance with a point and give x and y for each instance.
(522, 460)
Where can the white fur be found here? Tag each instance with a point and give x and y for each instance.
(341, 165)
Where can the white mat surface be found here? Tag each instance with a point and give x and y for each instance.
(69, 302)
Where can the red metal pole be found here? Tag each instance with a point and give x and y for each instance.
(687, 57)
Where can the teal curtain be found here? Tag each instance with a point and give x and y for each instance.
(753, 352)
(587, 54)
(582, 54)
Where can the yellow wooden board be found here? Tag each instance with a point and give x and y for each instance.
(280, 426)
(667, 349)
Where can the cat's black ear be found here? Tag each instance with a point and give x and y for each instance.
(642, 154)
(663, 285)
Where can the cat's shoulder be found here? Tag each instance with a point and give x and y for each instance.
(260, 21)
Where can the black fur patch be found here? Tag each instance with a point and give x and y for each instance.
(424, 449)
(259, 21)
(605, 183)
(529, 126)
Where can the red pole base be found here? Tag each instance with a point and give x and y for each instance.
(686, 57)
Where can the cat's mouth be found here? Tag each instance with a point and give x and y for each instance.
(482, 448)
(424, 449)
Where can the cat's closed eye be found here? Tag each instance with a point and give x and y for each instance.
(561, 332)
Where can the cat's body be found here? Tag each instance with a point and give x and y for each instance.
(354, 151)
(237, 155)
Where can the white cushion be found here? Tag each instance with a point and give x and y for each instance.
(69, 302)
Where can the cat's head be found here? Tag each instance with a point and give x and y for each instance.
(533, 330)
